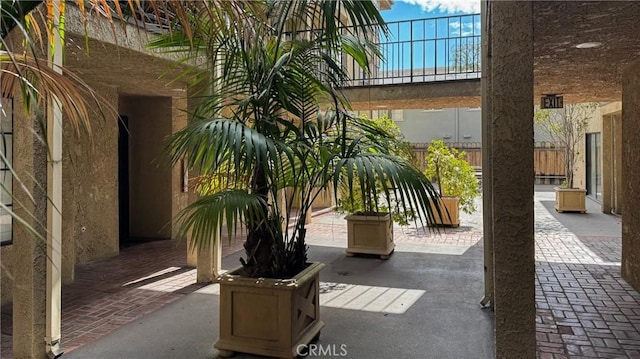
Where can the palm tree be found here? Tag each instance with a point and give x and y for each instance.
(261, 126)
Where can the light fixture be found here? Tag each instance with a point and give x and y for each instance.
(589, 45)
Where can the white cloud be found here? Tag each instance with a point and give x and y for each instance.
(447, 6)
(464, 29)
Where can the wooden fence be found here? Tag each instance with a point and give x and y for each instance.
(547, 157)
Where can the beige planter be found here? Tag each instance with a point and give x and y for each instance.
(370, 235)
(570, 200)
(450, 209)
(271, 317)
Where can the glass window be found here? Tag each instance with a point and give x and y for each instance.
(594, 167)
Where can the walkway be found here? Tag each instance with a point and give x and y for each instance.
(584, 308)
(111, 293)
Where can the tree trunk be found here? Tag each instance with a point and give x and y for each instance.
(259, 243)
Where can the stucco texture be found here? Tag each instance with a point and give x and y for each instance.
(630, 164)
(511, 126)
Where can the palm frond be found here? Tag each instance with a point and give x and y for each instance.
(34, 80)
(205, 218)
(210, 145)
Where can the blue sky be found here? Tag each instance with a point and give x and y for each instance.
(427, 50)
(418, 9)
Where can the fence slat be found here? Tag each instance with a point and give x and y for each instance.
(547, 156)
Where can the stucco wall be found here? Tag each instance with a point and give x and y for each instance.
(180, 197)
(90, 188)
(612, 184)
(150, 178)
(580, 169)
(28, 250)
(630, 267)
(447, 124)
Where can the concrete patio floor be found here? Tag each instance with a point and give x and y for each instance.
(584, 308)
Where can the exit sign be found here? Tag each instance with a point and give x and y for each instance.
(551, 101)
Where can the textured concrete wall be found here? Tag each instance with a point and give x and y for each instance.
(612, 157)
(150, 179)
(29, 250)
(90, 188)
(607, 163)
(180, 198)
(630, 164)
(618, 192)
(443, 94)
(580, 169)
(511, 112)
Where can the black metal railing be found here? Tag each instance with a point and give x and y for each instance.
(413, 51)
(424, 50)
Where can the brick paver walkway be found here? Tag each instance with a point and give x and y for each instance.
(584, 308)
(111, 293)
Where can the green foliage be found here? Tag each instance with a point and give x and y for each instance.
(567, 127)
(260, 128)
(453, 174)
(353, 201)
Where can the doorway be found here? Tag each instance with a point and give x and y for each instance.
(145, 177)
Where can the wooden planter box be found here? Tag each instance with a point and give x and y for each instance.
(370, 235)
(269, 317)
(450, 206)
(570, 200)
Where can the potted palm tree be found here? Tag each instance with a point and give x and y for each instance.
(455, 179)
(260, 129)
(567, 127)
(369, 218)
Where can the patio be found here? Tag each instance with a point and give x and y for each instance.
(421, 303)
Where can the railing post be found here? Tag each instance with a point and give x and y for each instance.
(411, 50)
(456, 66)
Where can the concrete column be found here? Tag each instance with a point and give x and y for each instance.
(193, 100)
(511, 94)
(30, 247)
(209, 263)
(618, 183)
(607, 164)
(630, 164)
(181, 196)
(487, 184)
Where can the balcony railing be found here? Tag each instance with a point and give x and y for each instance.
(424, 50)
(413, 51)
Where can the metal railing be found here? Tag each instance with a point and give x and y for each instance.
(424, 50)
(413, 51)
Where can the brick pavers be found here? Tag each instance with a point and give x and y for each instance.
(111, 293)
(584, 308)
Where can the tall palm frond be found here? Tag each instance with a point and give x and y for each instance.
(262, 117)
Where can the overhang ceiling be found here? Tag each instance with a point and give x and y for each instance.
(128, 71)
(584, 74)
